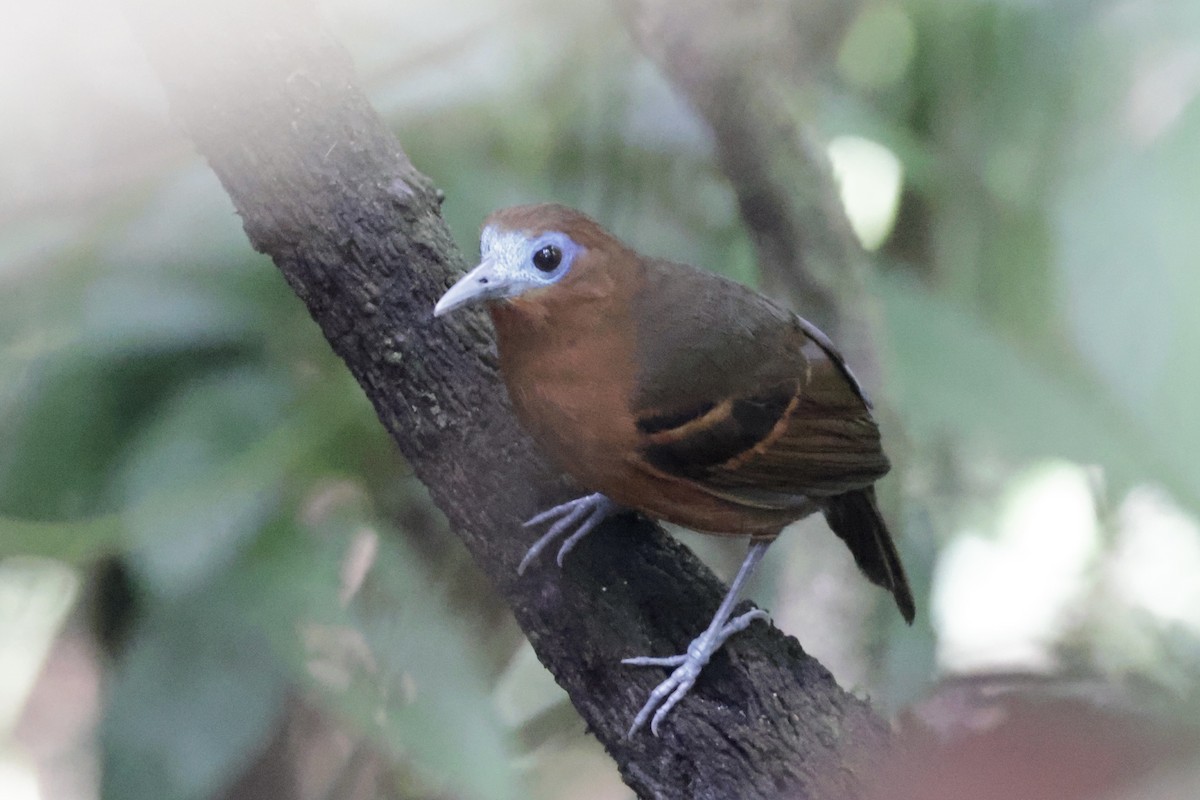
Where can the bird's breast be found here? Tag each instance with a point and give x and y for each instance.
(573, 394)
(571, 387)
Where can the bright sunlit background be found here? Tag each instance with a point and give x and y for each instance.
(201, 520)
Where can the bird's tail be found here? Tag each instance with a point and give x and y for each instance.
(855, 518)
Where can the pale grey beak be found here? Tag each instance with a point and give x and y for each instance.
(480, 284)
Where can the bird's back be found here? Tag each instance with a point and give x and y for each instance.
(761, 400)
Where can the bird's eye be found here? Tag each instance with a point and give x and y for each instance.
(548, 258)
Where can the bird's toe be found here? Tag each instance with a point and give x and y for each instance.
(573, 519)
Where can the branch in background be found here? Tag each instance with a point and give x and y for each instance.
(324, 189)
(747, 70)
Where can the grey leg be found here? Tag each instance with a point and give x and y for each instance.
(574, 519)
(688, 665)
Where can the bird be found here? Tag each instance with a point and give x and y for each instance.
(674, 392)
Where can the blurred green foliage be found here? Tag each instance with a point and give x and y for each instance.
(164, 400)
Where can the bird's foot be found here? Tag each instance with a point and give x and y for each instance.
(687, 669)
(574, 519)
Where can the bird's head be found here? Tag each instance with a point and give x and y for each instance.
(531, 253)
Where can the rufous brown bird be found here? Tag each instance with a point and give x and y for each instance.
(680, 394)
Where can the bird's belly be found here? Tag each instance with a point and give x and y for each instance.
(690, 506)
(579, 422)
(584, 426)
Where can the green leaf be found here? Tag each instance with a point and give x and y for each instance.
(66, 428)
(194, 698)
(954, 376)
(187, 510)
(174, 489)
(74, 542)
(1129, 244)
(430, 700)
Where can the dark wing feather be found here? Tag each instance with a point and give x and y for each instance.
(744, 398)
(717, 433)
(828, 444)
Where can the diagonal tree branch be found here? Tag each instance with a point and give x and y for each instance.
(324, 189)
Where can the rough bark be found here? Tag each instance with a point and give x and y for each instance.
(325, 190)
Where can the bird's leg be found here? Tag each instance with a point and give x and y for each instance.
(576, 517)
(688, 665)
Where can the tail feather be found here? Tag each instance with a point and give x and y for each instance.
(855, 518)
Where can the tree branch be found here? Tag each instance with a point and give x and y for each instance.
(324, 189)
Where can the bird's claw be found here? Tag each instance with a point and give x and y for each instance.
(666, 695)
(577, 517)
(687, 669)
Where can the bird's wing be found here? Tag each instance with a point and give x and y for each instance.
(743, 398)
